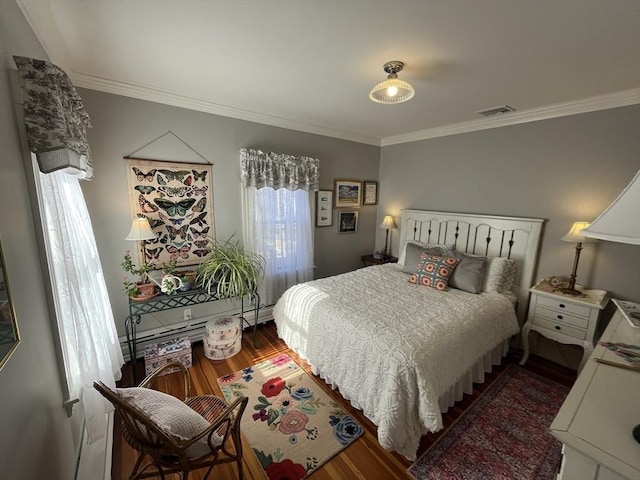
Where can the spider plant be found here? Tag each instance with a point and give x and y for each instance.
(229, 271)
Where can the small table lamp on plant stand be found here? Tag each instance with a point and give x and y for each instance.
(575, 235)
(141, 231)
(388, 224)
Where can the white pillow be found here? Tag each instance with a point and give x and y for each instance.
(171, 415)
(403, 251)
(500, 275)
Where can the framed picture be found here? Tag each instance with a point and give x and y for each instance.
(370, 193)
(324, 207)
(347, 222)
(177, 199)
(348, 193)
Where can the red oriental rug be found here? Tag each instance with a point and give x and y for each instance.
(292, 425)
(502, 436)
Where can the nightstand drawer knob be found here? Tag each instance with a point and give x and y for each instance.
(562, 305)
(557, 327)
(559, 317)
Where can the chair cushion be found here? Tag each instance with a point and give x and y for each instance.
(171, 415)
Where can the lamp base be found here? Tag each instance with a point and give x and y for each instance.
(571, 291)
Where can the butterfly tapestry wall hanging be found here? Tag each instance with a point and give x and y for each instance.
(177, 199)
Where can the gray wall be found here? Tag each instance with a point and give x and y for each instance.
(36, 437)
(563, 170)
(122, 125)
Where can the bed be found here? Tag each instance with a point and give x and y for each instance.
(401, 352)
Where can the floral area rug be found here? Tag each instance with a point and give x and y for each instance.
(292, 425)
(502, 436)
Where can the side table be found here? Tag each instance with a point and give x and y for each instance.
(564, 318)
(368, 260)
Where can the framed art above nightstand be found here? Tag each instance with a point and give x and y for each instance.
(370, 193)
(564, 318)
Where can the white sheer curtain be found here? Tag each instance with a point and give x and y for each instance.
(56, 123)
(88, 334)
(277, 199)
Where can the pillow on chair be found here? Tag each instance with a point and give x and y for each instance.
(171, 415)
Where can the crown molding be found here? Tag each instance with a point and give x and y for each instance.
(156, 95)
(601, 102)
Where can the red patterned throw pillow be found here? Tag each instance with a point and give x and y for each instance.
(434, 271)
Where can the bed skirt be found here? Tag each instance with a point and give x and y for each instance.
(476, 374)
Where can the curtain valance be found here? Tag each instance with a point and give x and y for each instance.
(55, 118)
(277, 170)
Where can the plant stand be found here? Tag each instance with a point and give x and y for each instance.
(164, 302)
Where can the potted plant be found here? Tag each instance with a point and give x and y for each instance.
(188, 276)
(186, 282)
(143, 288)
(170, 268)
(229, 271)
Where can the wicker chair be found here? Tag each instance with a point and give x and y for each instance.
(167, 453)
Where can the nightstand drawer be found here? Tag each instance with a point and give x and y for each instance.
(562, 306)
(561, 317)
(560, 328)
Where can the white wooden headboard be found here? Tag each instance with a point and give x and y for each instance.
(488, 235)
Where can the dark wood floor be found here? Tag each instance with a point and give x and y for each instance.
(364, 459)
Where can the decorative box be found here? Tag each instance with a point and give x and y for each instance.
(156, 355)
(223, 338)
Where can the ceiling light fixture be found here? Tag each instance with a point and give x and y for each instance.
(392, 90)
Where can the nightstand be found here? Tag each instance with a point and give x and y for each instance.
(368, 260)
(564, 318)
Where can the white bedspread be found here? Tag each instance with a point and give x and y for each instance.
(392, 347)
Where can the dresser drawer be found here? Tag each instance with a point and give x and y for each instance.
(560, 328)
(561, 317)
(563, 306)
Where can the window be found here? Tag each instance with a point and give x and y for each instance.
(278, 194)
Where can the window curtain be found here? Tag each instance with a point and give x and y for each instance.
(56, 122)
(89, 338)
(277, 199)
(55, 118)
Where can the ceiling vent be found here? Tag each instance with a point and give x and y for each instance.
(489, 112)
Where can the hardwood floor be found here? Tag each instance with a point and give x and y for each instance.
(364, 459)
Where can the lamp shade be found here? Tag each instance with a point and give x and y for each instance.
(575, 234)
(140, 230)
(388, 222)
(392, 90)
(620, 222)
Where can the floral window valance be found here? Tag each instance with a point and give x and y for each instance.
(55, 118)
(277, 170)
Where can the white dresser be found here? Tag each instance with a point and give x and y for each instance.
(596, 420)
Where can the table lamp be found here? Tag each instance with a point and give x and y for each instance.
(620, 222)
(141, 231)
(388, 224)
(575, 235)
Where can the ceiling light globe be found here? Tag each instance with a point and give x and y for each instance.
(392, 91)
